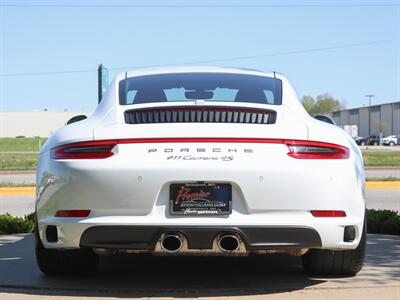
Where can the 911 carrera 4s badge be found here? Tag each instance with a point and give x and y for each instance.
(200, 199)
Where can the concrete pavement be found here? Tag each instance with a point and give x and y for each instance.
(385, 293)
(17, 205)
(265, 277)
(382, 172)
(18, 177)
(384, 199)
(379, 148)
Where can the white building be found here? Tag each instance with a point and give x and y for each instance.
(31, 124)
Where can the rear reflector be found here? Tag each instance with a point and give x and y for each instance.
(72, 213)
(84, 150)
(328, 213)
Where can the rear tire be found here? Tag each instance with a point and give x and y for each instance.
(335, 262)
(64, 262)
(391, 144)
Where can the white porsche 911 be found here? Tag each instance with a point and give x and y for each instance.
(200, 161)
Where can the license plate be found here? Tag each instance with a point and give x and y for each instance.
(200, 199)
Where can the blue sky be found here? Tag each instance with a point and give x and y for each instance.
(39, 39)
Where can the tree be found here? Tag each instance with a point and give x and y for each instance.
(323, 104)
(308, 103)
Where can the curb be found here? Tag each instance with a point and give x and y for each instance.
(17, 191)
(381, 185)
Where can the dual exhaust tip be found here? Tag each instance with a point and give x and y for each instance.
(173, 243)
(228, 243)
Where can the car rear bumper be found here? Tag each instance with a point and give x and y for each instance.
(146, 237)
(262, 231)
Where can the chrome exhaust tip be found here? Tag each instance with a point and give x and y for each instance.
(171, 243)
(229, 243)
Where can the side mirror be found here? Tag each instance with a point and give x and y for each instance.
(76, 119)
(325, 119)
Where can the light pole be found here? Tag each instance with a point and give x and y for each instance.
(369, 98)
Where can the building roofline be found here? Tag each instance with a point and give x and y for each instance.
(366, 106)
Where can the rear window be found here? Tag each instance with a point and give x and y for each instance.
(212, 87)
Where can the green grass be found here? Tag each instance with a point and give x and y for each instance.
(21, 144)
(390, 178)
(18, 161)
(19, 153)
(381, 158)
(15, 184)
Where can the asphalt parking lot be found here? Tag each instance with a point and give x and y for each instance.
(124, 276)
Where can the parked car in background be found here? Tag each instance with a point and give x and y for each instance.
(373, 140)
(391, 140)
(361, 141)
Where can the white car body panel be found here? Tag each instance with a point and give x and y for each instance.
(269, 188)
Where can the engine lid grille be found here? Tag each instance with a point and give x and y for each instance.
(203, 114)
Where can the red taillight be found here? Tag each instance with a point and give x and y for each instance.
(297, 148)
(328, 213)
(84, 150)
(316, 150)
(72, 213)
